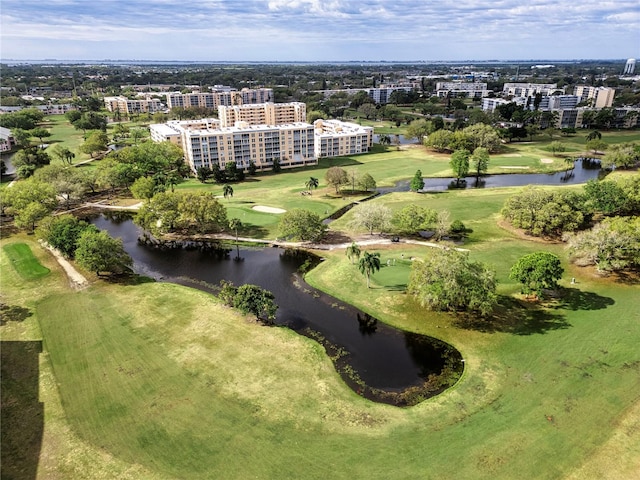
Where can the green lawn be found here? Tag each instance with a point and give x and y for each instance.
(24, 262)
(63, 133)
(160, 381)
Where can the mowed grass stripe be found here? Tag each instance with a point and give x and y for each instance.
(25, 263)
(123, 393)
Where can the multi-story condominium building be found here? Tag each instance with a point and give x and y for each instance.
(291, 145)
(461, 89)
(381, 95)
(629, 67)
(210, 100)
(263, 113)
(220, 95)
(490, 104)
(529, 89)
(172, 130)
(129, 106)
(334, 138)
(556, 102)
(597, 97)
(252, 95)
(7, 140)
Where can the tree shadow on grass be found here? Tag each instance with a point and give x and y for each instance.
(401, 287)
(253, 231)
(13, 313)
(628, 277)
(516, 317)
(576, 299)
(21, 412)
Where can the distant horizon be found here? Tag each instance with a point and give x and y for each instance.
(544, 61)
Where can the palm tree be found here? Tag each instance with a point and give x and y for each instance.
(312, 183)
(368, 264)
(593, 135)
(353, 251)
(384, 139)
(235, 224)
(227, 191)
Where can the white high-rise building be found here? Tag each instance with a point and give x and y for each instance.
(630, 67)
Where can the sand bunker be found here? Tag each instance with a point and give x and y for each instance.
(511, 155)
(261, 208)
(546, 160)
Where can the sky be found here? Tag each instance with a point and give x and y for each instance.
(319, 30)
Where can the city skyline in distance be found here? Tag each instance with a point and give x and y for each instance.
(315, 31)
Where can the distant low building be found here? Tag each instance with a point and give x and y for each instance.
(530, 89)
(461, 89)
(128, 106)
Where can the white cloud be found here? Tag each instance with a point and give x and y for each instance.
(368, 29)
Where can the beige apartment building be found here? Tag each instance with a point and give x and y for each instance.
(334, 138)
(127, 106)
(219, 96)
(210, 100)
(291, 145)
(172, 130)
(597, 97)
(263, 114)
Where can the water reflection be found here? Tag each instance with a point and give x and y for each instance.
(583, 170)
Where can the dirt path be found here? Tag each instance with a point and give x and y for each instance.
(76, 279)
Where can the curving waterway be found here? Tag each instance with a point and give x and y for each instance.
(377, 361)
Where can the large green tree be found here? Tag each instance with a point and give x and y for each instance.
(624, 155)
(144, 188)
(412, 218)
(202, 212)
(605, 196)
(480, 160)
(366, 182)
(69, 183)
(447, 280)
(336, 177)
(99, 252)
(418, 129)
(543, 212)
(28, 201)
(96, 142)
(611, 245)
(302, 225)
(460, 164)
(536, 272)
(257, 301)
(63, 232)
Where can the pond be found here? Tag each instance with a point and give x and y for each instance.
(377, 361)
(585, 170)
(403, 140)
